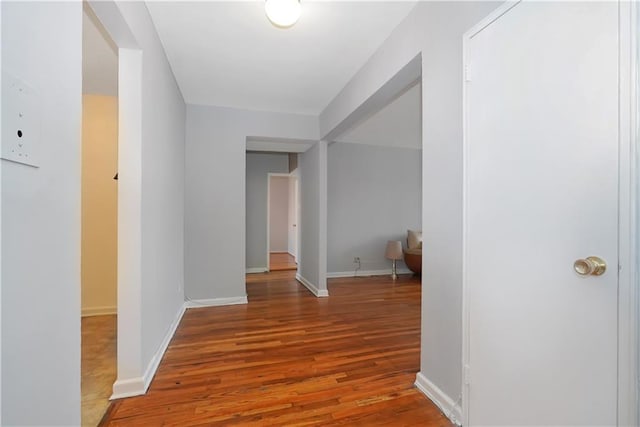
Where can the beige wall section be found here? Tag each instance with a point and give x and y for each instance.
(99, 204)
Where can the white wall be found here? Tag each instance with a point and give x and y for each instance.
(279, 214)
(41, 222)
(434, 30)
(374, 194)
(163, 162)
(99, 58)
(637, 222)
(1, 250)
(259, 165)
(151, 181)
(215, 192)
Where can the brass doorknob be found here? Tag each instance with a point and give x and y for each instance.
(591, 266)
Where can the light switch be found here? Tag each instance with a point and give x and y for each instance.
(20, 121)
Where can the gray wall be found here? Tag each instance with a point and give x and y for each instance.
(397, 125)
(41, 222)
(257, 180)
(215, 223)
(433, 30)
(312, 227)
(163, 163)
(279, 214)
(374, 195)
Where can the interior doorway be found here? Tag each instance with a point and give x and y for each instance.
(99, 201)
(282, 221)
(374, 189)
(131, 379)
(272, 232)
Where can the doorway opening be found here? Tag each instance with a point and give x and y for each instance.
(374, 189)
(99, 201)
(272, 206)
(282, 221)
(130, 378)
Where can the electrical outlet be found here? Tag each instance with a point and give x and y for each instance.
(356, 260)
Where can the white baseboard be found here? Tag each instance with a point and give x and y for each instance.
(139, 385)
(213, 302)
(99, 311)
(446, 404)
(313, 288)
(365, 273)
(128, 388)
(255, 270)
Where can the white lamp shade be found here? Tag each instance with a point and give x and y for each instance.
(394, 250)
(282, 13)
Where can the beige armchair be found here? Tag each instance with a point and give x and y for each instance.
(413, 253)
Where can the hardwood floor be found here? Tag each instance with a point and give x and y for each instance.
(98, 366)
(281, 261)
(289, 358)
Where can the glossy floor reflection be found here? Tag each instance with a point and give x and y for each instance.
(288, 358)
(98, 366)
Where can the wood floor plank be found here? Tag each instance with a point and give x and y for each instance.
(282, 261)
(288, 358)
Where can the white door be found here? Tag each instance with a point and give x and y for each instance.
(293, 217)
(541, 191)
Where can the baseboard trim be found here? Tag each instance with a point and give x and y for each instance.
(256, 270)
(320, 293)
(447, 405)
(152, 367)
(139, 385)
(99, 311)
(366, 273)
(213, 302)
(128, 388)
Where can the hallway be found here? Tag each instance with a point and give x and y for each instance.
(282, 261)
(288, 357)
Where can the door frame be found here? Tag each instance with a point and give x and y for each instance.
(296, 208)
(130, 380)
(629, 198)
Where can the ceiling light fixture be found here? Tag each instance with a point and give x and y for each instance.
(283, 13)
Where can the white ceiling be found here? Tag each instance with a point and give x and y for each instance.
(228, 54)
(99, 58)
(396, 125)
(399, 124)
